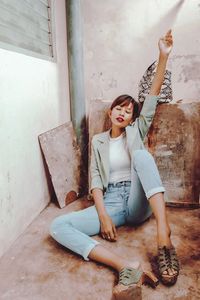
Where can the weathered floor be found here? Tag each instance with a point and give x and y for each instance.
(37, 268)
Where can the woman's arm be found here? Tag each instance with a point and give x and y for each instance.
(149, 107)
(95, 177)
(96, 183)
(97, 195)
(165, 47)
(108, 230)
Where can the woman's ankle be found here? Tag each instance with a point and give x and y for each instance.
(163, 237)
(128, 264)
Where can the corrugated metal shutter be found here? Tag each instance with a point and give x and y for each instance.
(27, 24)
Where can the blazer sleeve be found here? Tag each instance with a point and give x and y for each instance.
(95, 176)
(146, 115)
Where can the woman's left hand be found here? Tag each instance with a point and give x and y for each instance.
(165, 43)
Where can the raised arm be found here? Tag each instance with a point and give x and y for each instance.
(149, 107)
(165, 47)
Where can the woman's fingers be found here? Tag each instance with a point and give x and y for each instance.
(169, 40)
(168, 36)
(108, 230)
(110, 235)
(103, 235)
(166, 41)
(115, 232)
(169, 32)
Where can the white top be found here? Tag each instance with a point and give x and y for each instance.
(119, 159)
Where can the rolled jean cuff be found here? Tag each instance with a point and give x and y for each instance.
(155, 191)
(88, 249)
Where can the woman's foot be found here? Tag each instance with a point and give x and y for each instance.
(167, 258)
(131, 278)
(168, 265)
(130, 282)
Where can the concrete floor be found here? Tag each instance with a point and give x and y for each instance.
(37, 268)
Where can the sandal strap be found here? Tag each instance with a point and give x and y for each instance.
(167, 258)
(129, 276)
(164, 261)
(174, 259)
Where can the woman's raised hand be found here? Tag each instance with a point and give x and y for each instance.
(108, 230)
(165, 43)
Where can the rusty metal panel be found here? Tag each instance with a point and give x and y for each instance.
(62, 156)
(174, 140)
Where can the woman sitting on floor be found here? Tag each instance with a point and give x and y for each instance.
(126, 188)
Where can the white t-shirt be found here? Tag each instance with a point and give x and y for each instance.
(119, 159)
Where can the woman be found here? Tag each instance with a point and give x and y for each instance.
(126, 188)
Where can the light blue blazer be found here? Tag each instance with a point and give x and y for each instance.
(135, 134)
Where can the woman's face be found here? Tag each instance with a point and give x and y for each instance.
(121, 116)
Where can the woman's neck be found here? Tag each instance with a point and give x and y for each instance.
(116, 131)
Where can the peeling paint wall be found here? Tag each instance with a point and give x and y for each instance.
(120, 41)
(34, 98)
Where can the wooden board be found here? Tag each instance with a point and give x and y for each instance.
(62, 156)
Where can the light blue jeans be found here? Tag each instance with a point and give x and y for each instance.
(125, 202)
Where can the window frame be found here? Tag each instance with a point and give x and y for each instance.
(13, 48)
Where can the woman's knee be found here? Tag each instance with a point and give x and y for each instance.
(59, 222)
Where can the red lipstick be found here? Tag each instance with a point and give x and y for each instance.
(120, 119)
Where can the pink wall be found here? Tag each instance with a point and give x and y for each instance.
(120, 41)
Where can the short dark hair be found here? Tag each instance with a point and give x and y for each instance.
(123, 100)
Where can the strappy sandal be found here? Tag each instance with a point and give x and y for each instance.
(130, 282)
(167, 259)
